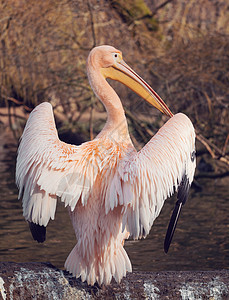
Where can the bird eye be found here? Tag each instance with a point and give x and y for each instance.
(115, 57)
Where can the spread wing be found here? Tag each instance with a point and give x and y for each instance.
(47, 168)
(146, 178)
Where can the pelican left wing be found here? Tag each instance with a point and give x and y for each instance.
(146, 178)
(48, 168)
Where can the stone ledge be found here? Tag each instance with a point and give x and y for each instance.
(44, 281)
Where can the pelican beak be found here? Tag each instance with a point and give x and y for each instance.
(121, 72)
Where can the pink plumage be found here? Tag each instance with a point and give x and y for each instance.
(112, 191)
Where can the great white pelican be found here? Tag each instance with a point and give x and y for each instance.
(111, 190)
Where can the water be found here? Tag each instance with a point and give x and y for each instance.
(200, 243)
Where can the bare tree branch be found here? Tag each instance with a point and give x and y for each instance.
(92, 23)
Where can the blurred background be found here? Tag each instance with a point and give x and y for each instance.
(181, 47)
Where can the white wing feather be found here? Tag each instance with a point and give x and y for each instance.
(47, 168)
(146, 178)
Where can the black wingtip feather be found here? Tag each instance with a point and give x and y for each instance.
(183, 190)
(182, 196)
(38, 232)
(172, 226)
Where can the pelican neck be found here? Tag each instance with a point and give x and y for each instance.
(116, 121)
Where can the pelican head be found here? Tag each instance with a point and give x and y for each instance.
(111, 64)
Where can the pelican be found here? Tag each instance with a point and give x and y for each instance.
(112, 191)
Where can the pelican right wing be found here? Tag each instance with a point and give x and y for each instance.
(146, 178)
(48, 168)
